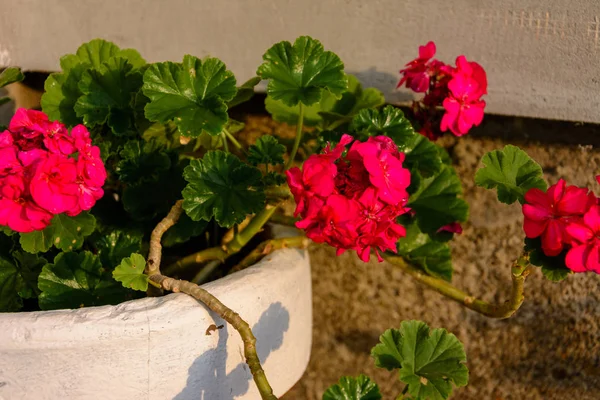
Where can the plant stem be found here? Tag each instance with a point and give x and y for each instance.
(233, 139)
(283, 219)
(520, 270)
(224, 137)
(205, 271)
(269, 246)
(254, 226)
(212, 253)
(278, 193)
(155, 252)
(299, 125)
(174, 285)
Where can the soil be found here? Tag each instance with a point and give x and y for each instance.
(549, 350)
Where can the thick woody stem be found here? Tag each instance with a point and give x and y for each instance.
(232, 318)
(269, 246)
(520, 271)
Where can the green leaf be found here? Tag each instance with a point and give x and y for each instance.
(77, 280)
(553, 268)
(512, 172)
(420, 152)
(427, 252)
(29, 267)
(388, 352)
(11, 75)
(108, 92)
(6, 230)
(183, 230)
(244, 92)
(193, 94)
(65, 233)
(266, 150)
(165, 135)
(299, 72)
(330, 110)
(142, 162)
(430, 361)
(348, 388)
(116, 245)
(221, 186)
(436, 202)
(9, 283)
(131, 273)
(62, 89)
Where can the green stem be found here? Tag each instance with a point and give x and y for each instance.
(233, 139)
(212, 253)
(278, 193)
(269, 246)
(298, 136)
(283, 219)
(520, 270)
(224, 137)
(174, 285)
(256, 224)
(205, 272)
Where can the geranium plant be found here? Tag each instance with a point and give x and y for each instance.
(133, 180)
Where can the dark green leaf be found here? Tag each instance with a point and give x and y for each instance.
(193, 94)
(388, 352)
(512, 172)
(436, 201)
(65, 233)
(142, 162)
(10, 282)
(553, 268)
(244, 92)
(183, 230)
(6, 230)
(266, 150)
(10, 75)
(273, 178)
(348, 388)
(77, 280)
(221, 186)
(131, 273)
(29, 267)
(426, 252)
(114, 246)
(164, 135)
(62, 89)
(107, 95)
(299, 72)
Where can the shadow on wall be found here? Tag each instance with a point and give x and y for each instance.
(385, 82)
(215, 383)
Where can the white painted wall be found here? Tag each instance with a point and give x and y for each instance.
(542, 57)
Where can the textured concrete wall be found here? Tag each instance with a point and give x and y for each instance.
(542, 57)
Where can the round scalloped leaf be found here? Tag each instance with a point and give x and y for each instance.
(221, 186)
(300, 71)
(131, 272)
(512, 172)
(10, 75)
(64, 232)
(192, 94)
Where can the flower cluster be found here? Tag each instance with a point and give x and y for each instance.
(352, 201)
(458, 89)
(45, 170)
(566, 218)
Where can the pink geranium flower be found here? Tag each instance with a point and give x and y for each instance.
(585, 253)
(548, 214)
(418, 72)
(53, 186)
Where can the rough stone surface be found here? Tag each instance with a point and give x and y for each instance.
(159, 348)
(541, 57)
(549, 350)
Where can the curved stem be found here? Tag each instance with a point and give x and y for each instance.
(299, 125)
(254, 226)
(520, 270)
(224, 138)
(175, 285)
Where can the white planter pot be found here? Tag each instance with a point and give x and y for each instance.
(158, 348)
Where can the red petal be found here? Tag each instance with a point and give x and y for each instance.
(576, 258)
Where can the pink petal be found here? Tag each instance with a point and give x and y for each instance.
(579, 232)
(592, 218)
(576, 258)
(552, 243)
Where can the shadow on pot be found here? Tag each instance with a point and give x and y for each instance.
(212, 384)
